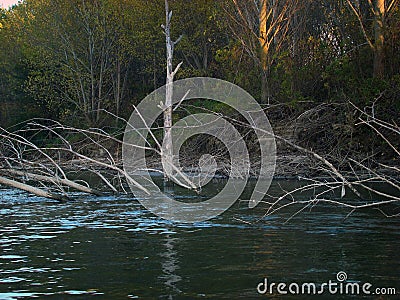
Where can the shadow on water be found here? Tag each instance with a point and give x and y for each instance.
(113, 248)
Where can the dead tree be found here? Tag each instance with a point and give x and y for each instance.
(31, 189)
(167, 150)
(359, 179)
(46, 168)
(44, 171)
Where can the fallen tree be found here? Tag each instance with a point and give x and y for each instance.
(54, 180)
(45, 169)
(31, 189)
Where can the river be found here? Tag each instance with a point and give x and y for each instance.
(113, 248)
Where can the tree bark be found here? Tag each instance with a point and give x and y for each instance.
(167, 151)
(57, 180)
(264, 51)
(167, 143)
(379, 59)
(31, 189)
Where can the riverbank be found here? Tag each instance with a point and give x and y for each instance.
(287, 166)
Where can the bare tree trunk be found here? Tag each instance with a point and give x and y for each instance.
(57, 180)
(167, 150)
(379, 64)
(154, 69)
(381, 10)
(264, 51)
(274, 23)
(31, 189)
(265, 91)
(117, 91)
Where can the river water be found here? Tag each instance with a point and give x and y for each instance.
(113, 248)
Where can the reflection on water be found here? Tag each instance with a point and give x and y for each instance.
(111, 248)
(169, 265)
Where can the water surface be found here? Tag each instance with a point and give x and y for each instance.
(113, 248)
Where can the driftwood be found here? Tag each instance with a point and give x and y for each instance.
(55, 180)
(33, 190)
(21, 157)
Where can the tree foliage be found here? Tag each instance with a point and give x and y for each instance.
(71, 60)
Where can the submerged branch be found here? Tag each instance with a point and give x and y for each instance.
(33, 190)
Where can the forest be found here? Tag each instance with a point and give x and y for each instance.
(70, 60)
